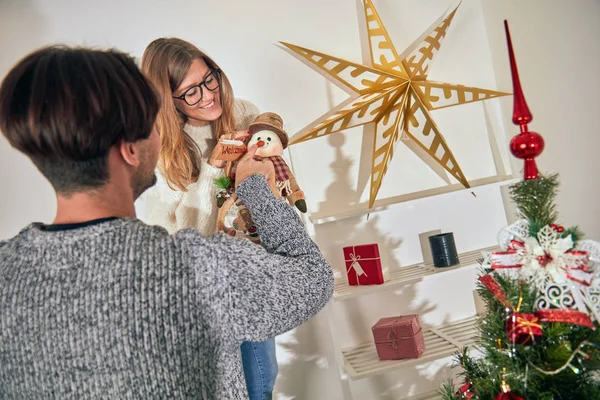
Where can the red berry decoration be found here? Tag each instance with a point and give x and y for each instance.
(557, 228)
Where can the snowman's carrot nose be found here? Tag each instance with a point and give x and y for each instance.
(260, 143)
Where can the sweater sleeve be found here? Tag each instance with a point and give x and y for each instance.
(268, 290)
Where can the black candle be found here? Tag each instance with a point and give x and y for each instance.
(443, 250)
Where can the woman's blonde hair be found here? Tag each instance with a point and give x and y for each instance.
(166, 62)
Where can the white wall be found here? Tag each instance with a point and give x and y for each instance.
(559, 81)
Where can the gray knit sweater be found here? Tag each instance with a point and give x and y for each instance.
(122, 310)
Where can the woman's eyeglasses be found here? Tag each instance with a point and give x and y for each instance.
(195, 94)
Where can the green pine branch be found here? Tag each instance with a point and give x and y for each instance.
(448, 391)
(222, 182)
(575, 232)
(535, 201)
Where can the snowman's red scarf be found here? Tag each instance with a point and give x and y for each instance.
(282, 174)
(282, 171)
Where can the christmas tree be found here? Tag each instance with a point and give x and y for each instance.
(539, 335)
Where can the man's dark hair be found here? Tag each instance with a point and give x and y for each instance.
(66, 107)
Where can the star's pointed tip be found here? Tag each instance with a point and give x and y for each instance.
(290, 46)
(449, 13)
(500, 94)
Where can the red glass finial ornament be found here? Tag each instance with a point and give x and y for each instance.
(526, 145)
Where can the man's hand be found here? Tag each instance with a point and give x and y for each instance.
(248, 166)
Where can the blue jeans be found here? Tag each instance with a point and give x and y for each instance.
(260, 368)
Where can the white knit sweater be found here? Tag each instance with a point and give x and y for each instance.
(197, 208)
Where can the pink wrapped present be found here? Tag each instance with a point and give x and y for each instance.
(399, 337)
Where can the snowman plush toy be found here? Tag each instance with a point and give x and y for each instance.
(268, 134)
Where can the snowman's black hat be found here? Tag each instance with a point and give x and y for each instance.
(270, 122)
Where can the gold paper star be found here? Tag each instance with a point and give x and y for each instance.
(394, 94)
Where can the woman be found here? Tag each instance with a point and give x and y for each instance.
(198, 107)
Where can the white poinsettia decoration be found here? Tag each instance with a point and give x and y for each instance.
(565, 277)
(552, 255)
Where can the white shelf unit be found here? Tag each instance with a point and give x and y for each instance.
(405, 276)
(384, 204)
(440, 342)
(361, 361)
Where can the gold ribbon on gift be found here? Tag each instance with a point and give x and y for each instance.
(530, 326)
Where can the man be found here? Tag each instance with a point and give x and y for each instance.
(100, 305)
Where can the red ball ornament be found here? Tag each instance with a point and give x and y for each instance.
(508, 396)
(527, 146)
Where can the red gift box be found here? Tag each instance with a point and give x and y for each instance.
(399, 337)
(523, 328)
(363, 264)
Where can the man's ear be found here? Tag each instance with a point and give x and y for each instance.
(130, 152)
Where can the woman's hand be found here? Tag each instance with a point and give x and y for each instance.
(241, 135)
(212, 160)
(248, 166)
